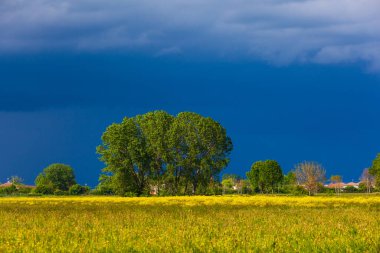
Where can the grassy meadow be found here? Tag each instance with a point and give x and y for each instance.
(190, 224)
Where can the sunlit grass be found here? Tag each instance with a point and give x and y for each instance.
(226, 224)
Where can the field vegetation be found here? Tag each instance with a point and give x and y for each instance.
(191, 224)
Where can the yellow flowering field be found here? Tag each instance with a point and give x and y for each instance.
(190, 224)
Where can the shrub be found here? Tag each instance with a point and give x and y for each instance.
(77, 189)
(327, 190)
(25, 190)
(44, 189)
(130, 194)
(60, 192)
(10, 189)
(350, 189)
(103, 190)
(299, 190)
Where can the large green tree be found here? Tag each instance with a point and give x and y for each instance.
(125, 153)
(170, 153)
(201, 148)
(155, 127)
(265, 175)
(56, 176)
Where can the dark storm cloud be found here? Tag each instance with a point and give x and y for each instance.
(277, 31)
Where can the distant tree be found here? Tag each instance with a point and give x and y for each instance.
(310, 175)
(290, 178)
(337, 181)
(246, 187)
(227, 185)
(367, 180)
(265, 175)
(374, 170)
(289, 183)
(229, 181)
(57, 177)
(16, 180)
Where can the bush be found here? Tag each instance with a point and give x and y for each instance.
(351, 189)
(130, 194)
(328, 191)
(60, 193)
(103, 190)
(77, 189)
(10, 189)
(44, 189)
(24, 190)
(299, 190)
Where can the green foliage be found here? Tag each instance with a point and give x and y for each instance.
(60, 193)
(24, 190)
(289, 185)
(177, 155)
(57, 177)
(130, 194)
(265, 175)
(327, 190)
(15, 189)
(234, 184)
(298, 190)
(8, 190)
(228, 183)
(375, 169)
(363, 187)
(78, 189)
(351, 189)
(234, 177)
(290, 178)
(44, 189)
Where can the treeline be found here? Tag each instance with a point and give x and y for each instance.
(264, 177)
(161, 154)
(57, 179)
(306, 178)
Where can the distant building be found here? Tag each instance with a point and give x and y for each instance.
(353, 184)
(18, 186)
(342, 185)
(7, 184)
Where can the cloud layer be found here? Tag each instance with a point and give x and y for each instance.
(277, 31)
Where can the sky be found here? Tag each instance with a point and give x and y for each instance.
(290, 80)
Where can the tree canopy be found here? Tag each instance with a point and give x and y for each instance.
(177, 154)
(56, 177)
(265, 175)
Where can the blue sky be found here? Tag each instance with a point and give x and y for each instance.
(290, 80)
